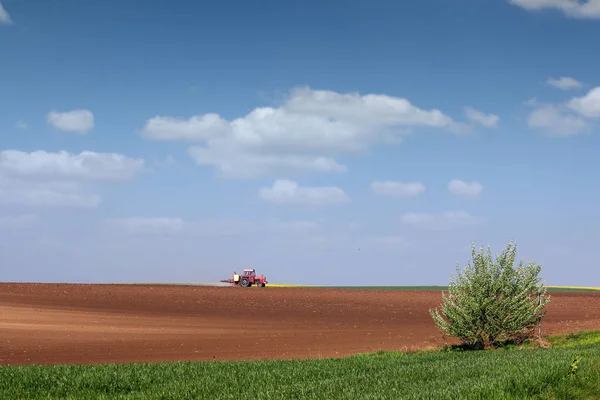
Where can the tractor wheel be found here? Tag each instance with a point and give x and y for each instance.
(245, 282)
(261, 284)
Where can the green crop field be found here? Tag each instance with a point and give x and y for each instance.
(441, 374)
(440, 288)
(437, 288)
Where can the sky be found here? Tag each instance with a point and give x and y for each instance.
(319, 142)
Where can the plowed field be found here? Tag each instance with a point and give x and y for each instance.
(85, 324)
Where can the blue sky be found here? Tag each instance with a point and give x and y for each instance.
(319, 142)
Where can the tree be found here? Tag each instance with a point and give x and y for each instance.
(492, 301)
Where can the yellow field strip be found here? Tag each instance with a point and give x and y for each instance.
(575, 287)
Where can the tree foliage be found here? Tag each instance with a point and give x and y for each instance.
(492, 301)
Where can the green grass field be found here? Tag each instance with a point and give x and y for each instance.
(493, 374)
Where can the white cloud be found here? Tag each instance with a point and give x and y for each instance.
(303, 134)
(18, 221)
(588, 105)
(567, 119)
(565, 83)
(465, 189)
(78, 121)
(22, 125)
(289, 192)
(147, 226)
(46, 193)
(585, 9)
(487, 120)
(556, 121)
(448, 220)
(398, 189)
(64, 165)
(4, 16)
(238, 163)
(194, 129)
(40, 178)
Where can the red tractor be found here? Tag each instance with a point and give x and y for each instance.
(247, 279)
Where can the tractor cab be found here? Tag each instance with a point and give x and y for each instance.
(249, 273)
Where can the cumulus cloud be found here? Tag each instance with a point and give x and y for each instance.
(146, 226)
(237, 163)
(556, 121)
(4, 16)
(487, 120)
(18, 221)
(448, 220)
(289, 192)
(567, 119)
(40, 178)
(584, 9)
(398, 189)
(77, 121)
(85, 165)
(304, 134)
(588, 105)
(46, 193)
(565, 83)
(195, 129)
(465, 189)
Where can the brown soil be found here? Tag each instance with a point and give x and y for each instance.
(85, 324)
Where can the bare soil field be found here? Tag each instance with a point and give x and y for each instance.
(90, 324)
